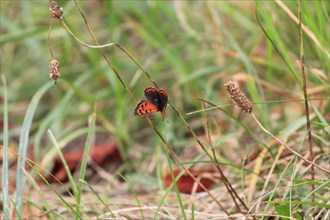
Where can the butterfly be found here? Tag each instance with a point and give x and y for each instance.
(156, 101)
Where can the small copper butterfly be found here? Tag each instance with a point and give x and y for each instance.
(156, 101)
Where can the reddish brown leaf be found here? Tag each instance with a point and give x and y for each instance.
(186, 183)
(101, 153)
(104, 152)
(29, 212)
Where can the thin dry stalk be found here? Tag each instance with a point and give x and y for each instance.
(56, 12)
(132, 96)
(228, 185)
(100, 50)
(204, 149)
(289, 148)
(270, 173)
(246, 106)
(35, 165)
(255, 175)
(98, 46)
(48, 38)
(308, 122)
(303, 27)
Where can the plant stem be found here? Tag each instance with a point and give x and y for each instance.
(134, 99)
(287, 147)
(308, 122)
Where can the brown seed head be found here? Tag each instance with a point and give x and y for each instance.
(54, 67)
(55, 10)
(235, 94)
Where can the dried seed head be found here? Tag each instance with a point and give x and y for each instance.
(239, 97)
(55, 10)
(54, 67)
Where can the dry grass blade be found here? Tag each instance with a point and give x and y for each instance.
(303, 27)
(246, 106)
(289, 148)
(23, 144)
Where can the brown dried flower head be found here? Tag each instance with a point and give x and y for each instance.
(242, 101)
(54, 68)
(55, 10)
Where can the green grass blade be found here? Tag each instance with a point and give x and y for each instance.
(34, 184)
(293, 160)
(175, 185)
(135, 195)
(295, 202)
(255, 89)
(320, 116)
(5, 194)
(193, 211)
(98, 196)
(52, 153)
(21, 35)
(65, 203)
(276, 39)
(85, 156)
(66, 167)
(23, 143)
(53, 115)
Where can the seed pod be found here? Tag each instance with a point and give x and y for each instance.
(242, 101)
(55, 10)
(54, 68)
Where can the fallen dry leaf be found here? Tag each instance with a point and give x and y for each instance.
(101, 153)
(186, 183)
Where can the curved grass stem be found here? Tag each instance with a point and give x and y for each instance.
(287, 147)
(100, 47)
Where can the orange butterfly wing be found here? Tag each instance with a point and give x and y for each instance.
(144, 108)
(156, 100)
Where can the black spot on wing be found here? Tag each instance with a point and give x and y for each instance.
(137, 110)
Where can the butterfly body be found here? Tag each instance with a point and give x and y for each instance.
(155, 101)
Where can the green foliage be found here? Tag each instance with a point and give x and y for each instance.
(286, 211)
